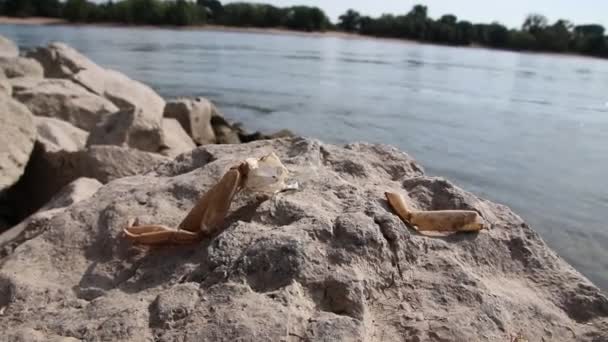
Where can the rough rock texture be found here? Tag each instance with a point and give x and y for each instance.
(245, 136)
(56, 135)
(67, 101)
(49, 170)
(77, 191)
(5, 85)
(127, 128)
(175, 140)
(8, 49)
(22, 83)
(330, 262)
(62, 61)
(195, 117)
(225, 132)
(17, 136)
(21, 67)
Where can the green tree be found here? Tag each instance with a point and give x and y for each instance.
(213, 8)
(448, 19)
(182, 13)
(464, 31)
(416, 23)
(48, 8)
(555, 37)
(77, 10)
(19, 8)
(589, 39)
(350, 21)
(535, 23)
(306, 18)
(521, 40)
(419, 11)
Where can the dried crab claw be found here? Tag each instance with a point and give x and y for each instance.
(266, 174)
(440, 220)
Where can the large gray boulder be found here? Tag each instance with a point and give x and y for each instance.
(50, 169)
(61, 61)
(195, 117)
(8, 49)
(21, 67)
(330, 262)
(175, 140)
(127, 128)
(17, 136)
(65, 100)
(56, 135)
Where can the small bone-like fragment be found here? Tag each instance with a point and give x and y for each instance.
(440, 220)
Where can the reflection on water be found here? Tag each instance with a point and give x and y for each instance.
(530, 131)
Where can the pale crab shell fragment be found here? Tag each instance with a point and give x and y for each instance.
(266, 174)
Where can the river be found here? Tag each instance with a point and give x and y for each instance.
(526, 130)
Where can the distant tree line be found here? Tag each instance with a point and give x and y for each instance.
(536, 33)
(172, 12)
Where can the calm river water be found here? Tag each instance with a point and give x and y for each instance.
(529, 131)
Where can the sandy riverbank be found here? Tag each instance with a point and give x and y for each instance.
(56, 21)
(219, 28)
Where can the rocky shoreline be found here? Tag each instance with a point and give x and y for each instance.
(73, 111)
(83, 149)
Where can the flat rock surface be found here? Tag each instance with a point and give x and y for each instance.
(8, 49)
(57, 135)
(329, 262)
(175, 139)
(65, 100)
(21, 67)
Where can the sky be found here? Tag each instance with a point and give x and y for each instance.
(508, 12)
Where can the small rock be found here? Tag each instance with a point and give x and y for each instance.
(8, 49)
(226, 135)
(195, 117)
(21, 67)
(56, 135)
(175, 140)
(284, 133)
(127, 128)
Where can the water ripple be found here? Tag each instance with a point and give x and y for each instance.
(363, 61)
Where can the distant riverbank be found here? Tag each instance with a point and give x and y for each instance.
(56, 21)
(272, 31)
